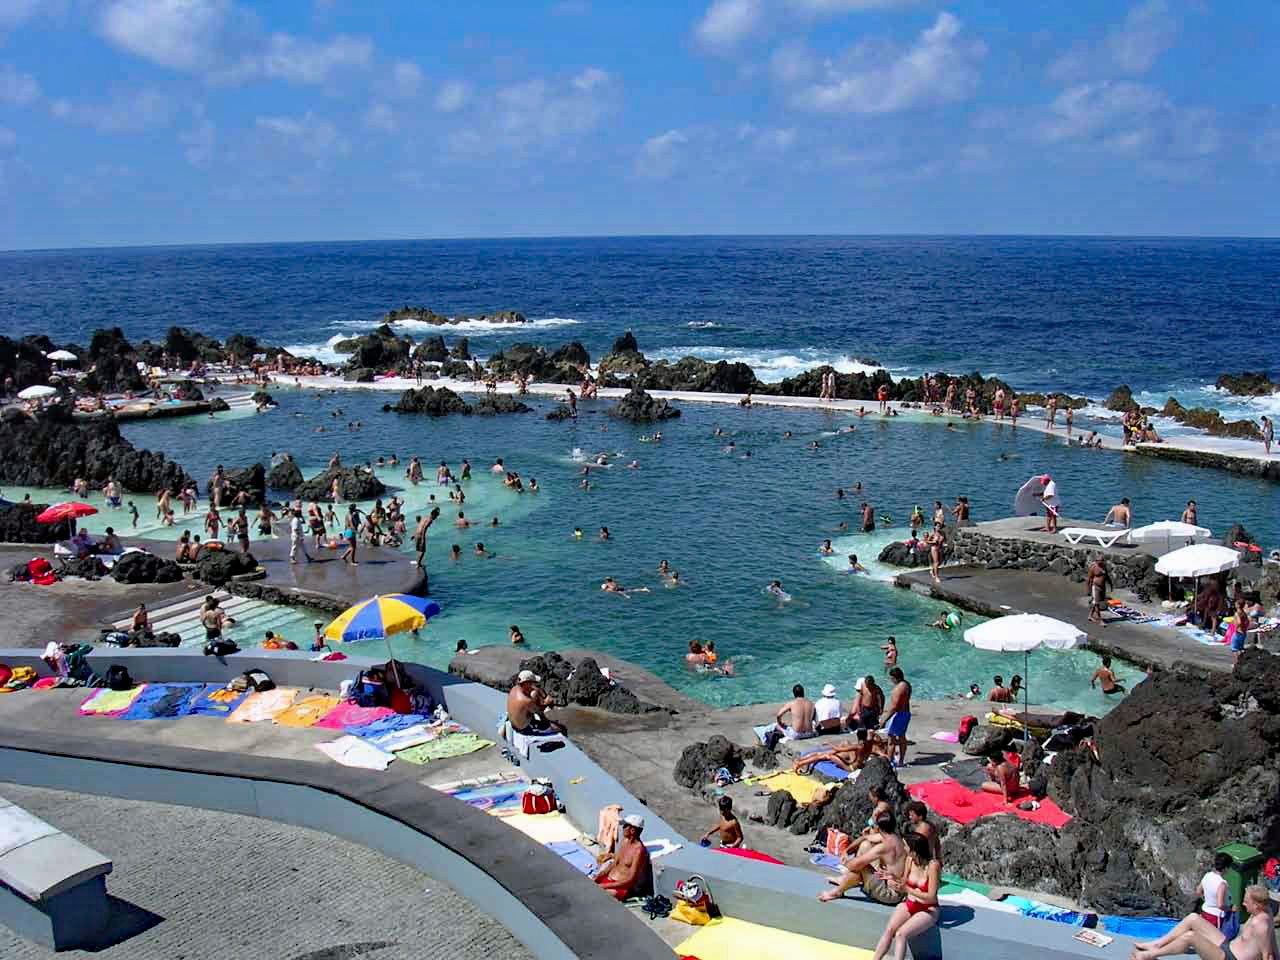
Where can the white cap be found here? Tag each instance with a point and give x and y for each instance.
(860, 684)
(829, 690)
(634, 820)
(528, 676)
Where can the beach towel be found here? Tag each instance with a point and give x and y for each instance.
(216, 701)
(109, 703)
(829, 770)
(160, 700)
(393, 740)
(389, 724)
(576, 856)
(607, 824)
(450, 745)
(523, 743)
(971, 773)
(661, 847)
(746, 854)
(825, 860)
(353, 752)
(543, 827)
(952, 884)
(1140, 928)
(956, 802)
(802, 788)
(506, 799)
(349, 714)
(263, 705)
(306, 711)
(960, 897)
(45, 683)
(729, 939)
(19, 679)
(945, 736)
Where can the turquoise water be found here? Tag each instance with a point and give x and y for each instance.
(728, 523)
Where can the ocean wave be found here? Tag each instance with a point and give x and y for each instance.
(1208, 396)
(703, 325)
(474, 328)
(770, 366)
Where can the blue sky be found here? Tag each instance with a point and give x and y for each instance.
(169, 121)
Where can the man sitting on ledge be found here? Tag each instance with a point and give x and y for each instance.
(1255, 941)
(626, 871)
(526, 704)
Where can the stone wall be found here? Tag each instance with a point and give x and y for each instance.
(1130, 570)
(1249, 466)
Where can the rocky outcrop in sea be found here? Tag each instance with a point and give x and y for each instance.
(638, 407)
(427, 315)
(352, 484)
(1247, 384)
(441, 401)
(52, 450)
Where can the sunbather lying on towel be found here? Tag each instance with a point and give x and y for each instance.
(848, 756)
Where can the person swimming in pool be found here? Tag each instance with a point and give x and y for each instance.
(826, 549)
(577, 533)
(855, 566)
(775, 590)
(611, 585)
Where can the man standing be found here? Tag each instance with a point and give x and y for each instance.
(1049, 497)
(1097, 579)
(297, 537)
(899, 708)
(999, 693)
(626, 871)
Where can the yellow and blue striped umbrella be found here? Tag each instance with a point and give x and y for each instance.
(381, 616)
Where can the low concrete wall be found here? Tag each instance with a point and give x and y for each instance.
(972, 545)
(1249, 466)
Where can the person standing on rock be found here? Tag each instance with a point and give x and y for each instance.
(1268, 435)
(936, 541)
(899, 707)
(1098, 579)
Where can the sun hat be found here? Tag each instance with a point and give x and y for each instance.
(634, 820)
(528, 676)
(829, 690)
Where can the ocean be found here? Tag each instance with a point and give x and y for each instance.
(1165, 316)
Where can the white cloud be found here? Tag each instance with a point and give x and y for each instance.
(179, 34)
(940, 67)
(302, 61)
(1110, 111)
(312, 136)
(408, 78)
(1130, 48)
(592, 78)
(380, 116)
(728, 22)
(200, 139)
(660, 155)
(126, 113)
(452, 96)
(17, 88)
(775, 138)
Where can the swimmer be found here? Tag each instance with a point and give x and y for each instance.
(813, 445)
(842, 526)
(611, 585)
(604, 533)
(890, 654)
(455, 552)
(774, 589)
(786, 434)
(855, 566)
(839, 493)
(730, 448)
(577, 533)
(533, 485)
(826, 549)
(480, 551)
(633, 465)
(664, 569)
(517, 637)
(493, 522)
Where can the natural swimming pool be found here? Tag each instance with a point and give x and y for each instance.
(728, 523)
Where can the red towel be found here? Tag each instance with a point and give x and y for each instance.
(957, 802)
(749, 854)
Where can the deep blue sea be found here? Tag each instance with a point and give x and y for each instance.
(1074, 314)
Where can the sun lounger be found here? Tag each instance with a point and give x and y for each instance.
(1104, 538)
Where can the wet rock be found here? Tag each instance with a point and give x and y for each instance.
(1247, 384)
(1210, 421)
(1121, 400)
(285, 475)
(219, 566)
(431, 350)
(139, 638)
(492, 404)
(434, 402)
(358, 375)
(352, 485)
(699, 762)
(461, 350)
(218, 405)
(899, 554)
(52, 450)
(18, 525)
(427, 315)
(588, 684)
(252, 481)
(140, 567)
(263, 399)
(560, 412)
(638, 407)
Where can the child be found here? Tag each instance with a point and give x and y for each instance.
(133, 513)
(729, 827)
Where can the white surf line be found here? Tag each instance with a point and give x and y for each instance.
(1243, 449)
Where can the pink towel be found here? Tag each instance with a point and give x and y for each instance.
(607, 825)
(44, 683)
(350, 714)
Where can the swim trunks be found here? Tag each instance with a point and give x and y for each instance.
(617, 894)
(896, 725)
(881, 892)
(1238, 638)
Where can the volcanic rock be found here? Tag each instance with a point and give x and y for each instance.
(52, 451)
(285, 475)
(899, 554)
(219, 566)
(188, 345)
(263, 399)
(25, 362)
(352, 484)
(441, 401)
(638, 407)
(113, 363)
(1247, 384)
(18, 525)
(358, 375)
(431, 350)
(138, 567)
(1210, 421)
(218, 405)
(461, 350)
(87, 568)
(588, 684)
(495, 403)
(986, 740)
(1121, 400)
(380, 350)
(699, 762)
(561, 411)
(251, 480)
(426, 315)
(693, 373)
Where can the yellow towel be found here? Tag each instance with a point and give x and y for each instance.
(803, 788)
(306, 711)
(729, 939)
(543, 827)
(263, 705)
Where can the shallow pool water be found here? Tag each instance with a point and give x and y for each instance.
(727, 522)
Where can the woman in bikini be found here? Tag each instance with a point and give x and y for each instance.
(919, 880)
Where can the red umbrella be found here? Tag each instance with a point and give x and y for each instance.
(64, 511)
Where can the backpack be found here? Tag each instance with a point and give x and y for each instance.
(368, 693)
(772, 738)
(118, 677)
(257, 680)
(220, 648)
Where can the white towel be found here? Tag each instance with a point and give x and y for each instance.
(353, 752)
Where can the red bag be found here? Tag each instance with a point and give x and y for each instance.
(539, 798)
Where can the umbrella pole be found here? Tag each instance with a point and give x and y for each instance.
(1026, 695)
(395, 671)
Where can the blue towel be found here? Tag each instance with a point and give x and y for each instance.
(827, 768)
(401, 721)
(159, 700)
(576, 856)
(1140, 928)
(762, 730)
(825, 860)
(203, 707)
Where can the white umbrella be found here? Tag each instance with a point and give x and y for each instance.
(1168, 531)
(36, 393)
(1198, 560)
(1024, 632)
(1030, 497)
(65, 355)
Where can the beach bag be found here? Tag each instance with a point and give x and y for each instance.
(118, 677)
(966, 727)
(837, 842)
(693, 901)
(257, 680)
(540, 797)
(1230, 925)
(220, 648)
(367, 693)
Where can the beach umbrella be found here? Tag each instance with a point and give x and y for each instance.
(1198, 560)
(1168, 531)
(381, 616)
(69, 510)
(1027, 502)
(64, 355)
(36, 393)
(1024, 632)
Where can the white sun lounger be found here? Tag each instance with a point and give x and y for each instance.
(1105, 538)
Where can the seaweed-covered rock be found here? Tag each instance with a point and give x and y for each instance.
(285, 475)
(220, 566)
(588, 684)
(699, 762)
(52, 450)
(18, 525)
(638, 407)
(138, 567)
(1247, 384)
(352, 484)
(1121, 400)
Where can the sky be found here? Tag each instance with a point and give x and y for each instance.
(192, 121)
